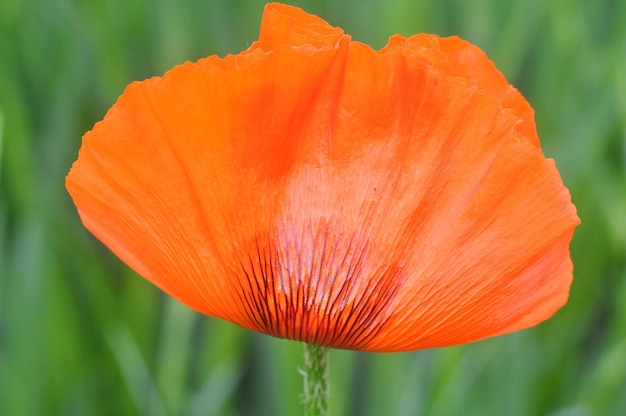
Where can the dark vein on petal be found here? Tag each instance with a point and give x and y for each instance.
(330, 299)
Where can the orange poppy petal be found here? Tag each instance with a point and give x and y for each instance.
(312, 188)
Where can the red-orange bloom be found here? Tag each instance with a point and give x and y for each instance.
(312, 188)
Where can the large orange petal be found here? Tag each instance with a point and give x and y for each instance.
(180, 171)
(314, 189)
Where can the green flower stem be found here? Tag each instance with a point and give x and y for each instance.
(316, 380)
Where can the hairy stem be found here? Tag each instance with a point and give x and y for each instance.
(316, 380)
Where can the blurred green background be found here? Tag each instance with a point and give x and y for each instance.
(80, 334)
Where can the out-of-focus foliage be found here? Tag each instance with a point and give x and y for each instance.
(80, 334)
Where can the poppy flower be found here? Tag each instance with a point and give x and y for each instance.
(315, 189)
